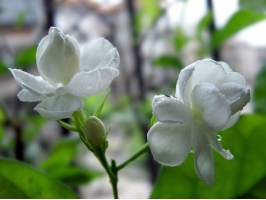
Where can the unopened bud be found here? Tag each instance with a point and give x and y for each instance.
(94, 132)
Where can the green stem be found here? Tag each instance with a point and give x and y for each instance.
(67, 126)
(112, 175)
(133, 157)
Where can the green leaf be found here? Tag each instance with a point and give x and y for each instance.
(3, 68)
(203, 25)
(20, 181)
(27, 57)
(234, 178)
(259, 94)
(240, 20)
(180, 38)
(256, 6)
(168, 61)
(62, 154)
(20, 18)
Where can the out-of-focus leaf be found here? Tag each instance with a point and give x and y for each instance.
(20, 18)
(62, 154)
(74, 176)
(3, 68)
(180, 38)
(32, 126)
(240, 20)
(259, 94)
(168, 61)
(203, 25)
(257, 6)
(20, 181)
(27, 57)
(234, 178)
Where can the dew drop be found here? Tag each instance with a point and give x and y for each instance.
(219, 137)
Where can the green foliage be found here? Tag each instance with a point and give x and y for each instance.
(20, 18)
(18, 180)
(256, 6)
(26, 57)
(3, 68)
(203, 25)
(259, 94)
(236, 178)
(240, 20)
(168, 61)
(180, 38)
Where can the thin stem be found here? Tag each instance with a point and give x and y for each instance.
(133, 157)
(67, 126)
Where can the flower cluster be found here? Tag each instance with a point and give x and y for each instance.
(209, 97)
(67, 74)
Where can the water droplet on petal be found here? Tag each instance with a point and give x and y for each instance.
(219, 137)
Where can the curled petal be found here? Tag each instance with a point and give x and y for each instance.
(59, 106)
(35, 84)
(169, 143)
(203, 162)
(25, 95)
(98, 53)
(58, 57)
(237, 78)
(169, 109)
(210, 106)
(90, 83)
(241, 102)
(233, 119)
(226, 67)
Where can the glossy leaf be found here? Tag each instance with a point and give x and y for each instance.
(256, 6)
(168, 61)
(239, 20)
(259, 94)
(234, 178)
(18, 180)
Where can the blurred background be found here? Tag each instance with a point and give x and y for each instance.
(155, 39)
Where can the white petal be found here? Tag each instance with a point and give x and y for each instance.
(236, 96)
(206, 71)
(203, 162)
(169, 142)
(90, 83)
(59, 106)
(233, 119)
(58, 57)
(25, 95)
(213, 140)
(237, 78)
(35, 84)
(169, 109)
(226, 67)
(210, 105)
(98, 53)
(183, 79)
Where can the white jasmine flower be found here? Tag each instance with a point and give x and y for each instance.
(209, 97)
(67, 74)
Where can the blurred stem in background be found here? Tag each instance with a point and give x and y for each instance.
(215, 53)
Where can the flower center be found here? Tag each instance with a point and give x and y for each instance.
(196, 112)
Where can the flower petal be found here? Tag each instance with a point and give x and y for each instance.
(35, 84)
(183, 79)
(169, 109)
(213, 140)
(236, 96)
(203, 162)
(226, 67)
(59, 106)
(58, 57)
(206, 71)
(237, 78)
(90, 83)
(97, 54)
(231, 122)
(169, 142)
(212, 106)
(25, 95)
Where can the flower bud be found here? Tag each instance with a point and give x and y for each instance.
(94, 132)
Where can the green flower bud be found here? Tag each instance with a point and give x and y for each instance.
(94, 132)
